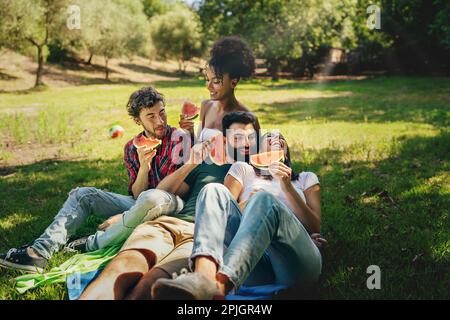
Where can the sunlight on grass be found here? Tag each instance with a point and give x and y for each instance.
(441, 252)
(14, 219)
(379, 146)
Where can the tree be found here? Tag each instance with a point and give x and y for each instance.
(414, 35)
(154, 7)
(177, 35)
(112, 28)
(440, 27)
(32, 23)
(282, 30)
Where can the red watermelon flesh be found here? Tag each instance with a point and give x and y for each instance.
(218, 154)
(190, 110)
(265, 159)
(142, 141)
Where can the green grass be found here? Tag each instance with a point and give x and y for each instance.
(380, 148)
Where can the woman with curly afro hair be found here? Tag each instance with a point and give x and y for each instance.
(231, 60)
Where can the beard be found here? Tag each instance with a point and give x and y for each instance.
(236, 155)
(154, 134)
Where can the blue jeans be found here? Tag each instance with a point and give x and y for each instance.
(85, 201)
(265, 243)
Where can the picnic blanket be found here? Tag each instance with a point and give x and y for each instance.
(76, 265)
(76, 283)
(81, 269)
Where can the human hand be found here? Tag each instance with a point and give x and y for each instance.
(109, 222)
(280, 171)
(199, 152)
(185, 124)
(318, 240)
(145, 156)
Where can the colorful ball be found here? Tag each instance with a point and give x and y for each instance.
(116, 131)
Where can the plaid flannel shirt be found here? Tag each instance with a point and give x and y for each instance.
(161, 165)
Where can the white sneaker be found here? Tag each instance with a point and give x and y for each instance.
(190, 286)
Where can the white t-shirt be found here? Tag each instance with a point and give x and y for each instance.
(245, 174)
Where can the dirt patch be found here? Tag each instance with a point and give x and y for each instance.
(31, 153)
(18, 72)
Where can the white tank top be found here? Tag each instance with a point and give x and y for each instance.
(208, 133)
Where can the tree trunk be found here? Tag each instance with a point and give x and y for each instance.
(273, 68)
(106, 68)
(89, 62)
(310, 66)
(300, 67)
(311, 70)
(40, 58)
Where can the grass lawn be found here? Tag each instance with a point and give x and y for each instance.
(379, 146)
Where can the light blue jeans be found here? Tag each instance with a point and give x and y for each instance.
(264, 244)
(85, 201)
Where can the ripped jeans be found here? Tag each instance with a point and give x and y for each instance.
(264, 244)
(85, 201)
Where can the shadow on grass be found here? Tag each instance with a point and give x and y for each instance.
(392, 213)
(145, 69)
(186, 82)
(378, 100)
(40, 190)
(7, 76)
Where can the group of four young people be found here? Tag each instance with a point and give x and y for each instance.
(228, 224)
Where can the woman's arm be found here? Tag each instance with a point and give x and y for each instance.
(174, 182)
(308, 213)
(203, 111)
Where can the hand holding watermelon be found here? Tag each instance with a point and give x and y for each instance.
(189, 112)
(199, 152)
(187, 125)
(280, 171)
(146, 149)
(145, 156)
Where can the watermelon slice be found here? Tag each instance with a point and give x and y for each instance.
(217, 154)
(190, 110)
(265, 159)
(142, 141)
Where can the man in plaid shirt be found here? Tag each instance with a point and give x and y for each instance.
(146, 168)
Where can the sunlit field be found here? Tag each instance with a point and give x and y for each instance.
(380, 147)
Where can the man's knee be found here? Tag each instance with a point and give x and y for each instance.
(263, 196)
(83, 192)
(269, 201)
(215, 188)
(153, 197)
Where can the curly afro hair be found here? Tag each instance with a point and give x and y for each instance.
(143, 98)
(233, 56)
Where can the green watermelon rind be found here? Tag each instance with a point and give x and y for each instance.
(193, 117)
(153, 147)
(187, 116)
(263, 167)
